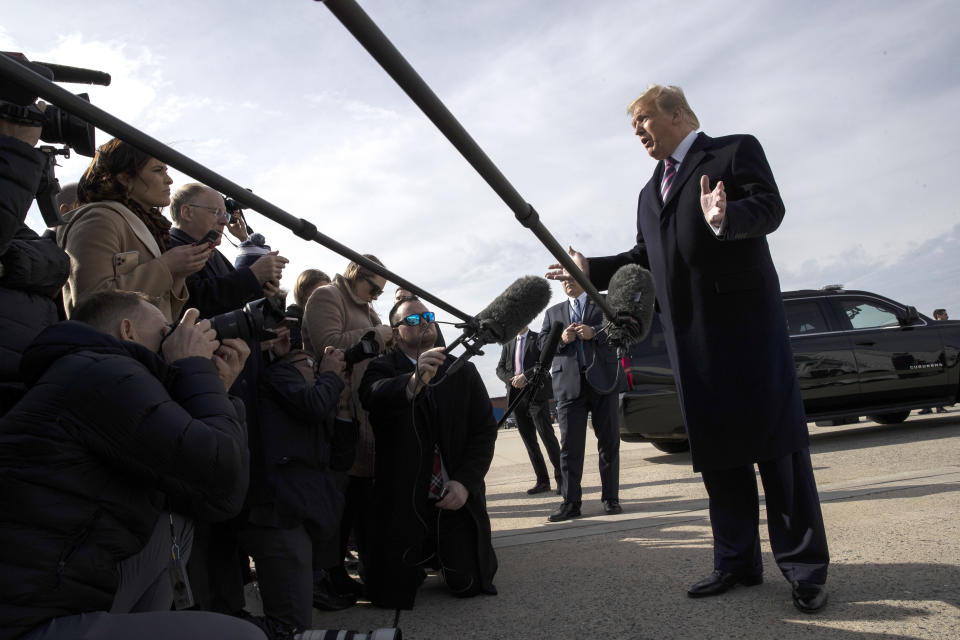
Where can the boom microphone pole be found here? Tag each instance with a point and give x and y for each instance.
(26, 77)
(358, 23)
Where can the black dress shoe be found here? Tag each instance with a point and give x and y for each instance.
(721, 581)
(809, 597)
(540, 487)
(612, 507)
(326, 597)
(565, 511)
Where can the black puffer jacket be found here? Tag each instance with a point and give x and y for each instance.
(32, 269)
(107, 435)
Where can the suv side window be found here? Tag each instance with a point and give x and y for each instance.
(869, 315)
(805, 316)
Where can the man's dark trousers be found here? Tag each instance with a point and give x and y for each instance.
(573, 433)
(533, 418)
(794, 519)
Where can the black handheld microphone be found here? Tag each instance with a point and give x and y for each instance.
(503, 318)
(631, 295)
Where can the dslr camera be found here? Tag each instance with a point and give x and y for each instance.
(255, 321)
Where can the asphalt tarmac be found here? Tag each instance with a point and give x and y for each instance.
(890, 497)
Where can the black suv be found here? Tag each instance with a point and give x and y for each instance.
(857, 354)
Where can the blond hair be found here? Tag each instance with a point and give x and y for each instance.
(667, 99)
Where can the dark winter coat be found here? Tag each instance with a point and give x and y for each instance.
(32, 269)
(218, 287)
(720, 305)
(457, 415)
(107, 437)
(291, 469)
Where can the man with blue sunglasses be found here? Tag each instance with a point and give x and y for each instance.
(435, 436)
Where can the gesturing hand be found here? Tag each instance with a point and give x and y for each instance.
(713, 203)
(569, 334)
(558, 272)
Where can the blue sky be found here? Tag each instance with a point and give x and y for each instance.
(854, 102)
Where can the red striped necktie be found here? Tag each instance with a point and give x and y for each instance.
(436, 475)
(669, 173)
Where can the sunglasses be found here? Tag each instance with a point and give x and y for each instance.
(413, 319)
(375, 291)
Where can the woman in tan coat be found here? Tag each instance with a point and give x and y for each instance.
(338, 315)
(119, 239)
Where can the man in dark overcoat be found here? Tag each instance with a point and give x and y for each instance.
(435, 437)
(518, 357)
(702, 222)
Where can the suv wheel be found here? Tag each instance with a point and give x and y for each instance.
(894, 417)
(672, 446)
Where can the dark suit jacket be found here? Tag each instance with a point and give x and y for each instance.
(218, 287)
(720, 304)
(531, 353)
(601, 366)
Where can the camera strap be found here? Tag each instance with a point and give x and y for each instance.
(182, 593)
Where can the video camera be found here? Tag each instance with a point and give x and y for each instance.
(17, 104)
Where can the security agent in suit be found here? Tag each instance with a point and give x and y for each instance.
(532, 413)
(702, 222)
(586, 379)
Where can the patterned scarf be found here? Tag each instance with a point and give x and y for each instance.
(158, 225)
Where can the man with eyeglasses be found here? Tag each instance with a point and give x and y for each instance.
(217, 288)
(435, 436)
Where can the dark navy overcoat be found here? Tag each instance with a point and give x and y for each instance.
(720, 305)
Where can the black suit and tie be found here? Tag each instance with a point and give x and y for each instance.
(533, 413)
(718, 296)
(586, 380)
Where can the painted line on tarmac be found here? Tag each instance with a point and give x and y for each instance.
(699, 514)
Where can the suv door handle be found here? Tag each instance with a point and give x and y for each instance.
(866, 344)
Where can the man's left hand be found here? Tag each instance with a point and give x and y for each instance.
(713, 203)
(585, 332)
(518, 381)
(456, 497)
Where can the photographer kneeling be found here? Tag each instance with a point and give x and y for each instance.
(435, 436)
(125, 436)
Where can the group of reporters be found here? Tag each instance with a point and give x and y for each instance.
(144, 457)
